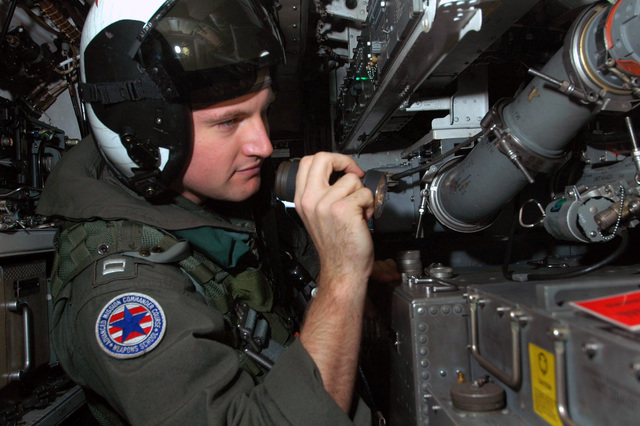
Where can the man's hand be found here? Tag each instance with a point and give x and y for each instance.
(336, 217)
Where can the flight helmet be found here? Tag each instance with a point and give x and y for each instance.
(146, 64)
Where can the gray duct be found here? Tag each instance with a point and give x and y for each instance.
(528, 135)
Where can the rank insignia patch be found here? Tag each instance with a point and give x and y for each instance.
(130, 325)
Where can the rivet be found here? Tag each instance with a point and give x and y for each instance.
(103, 249)
(145, 253)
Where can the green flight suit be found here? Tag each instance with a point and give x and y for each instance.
(192, 376)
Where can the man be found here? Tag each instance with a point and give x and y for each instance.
(161, 292)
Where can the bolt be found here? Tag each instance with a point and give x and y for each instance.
(635, 367)
(501, 310)
(559, 333)
(591, 349)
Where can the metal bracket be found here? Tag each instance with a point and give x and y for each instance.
(517, 321)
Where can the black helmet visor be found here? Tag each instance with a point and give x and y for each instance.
(211, 50)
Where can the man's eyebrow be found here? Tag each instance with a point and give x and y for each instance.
(233, 112)
(227, 114)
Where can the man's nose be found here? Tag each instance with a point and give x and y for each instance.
(258, 143)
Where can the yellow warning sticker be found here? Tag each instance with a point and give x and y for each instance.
(543, 384)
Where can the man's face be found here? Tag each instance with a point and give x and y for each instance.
(231, 141)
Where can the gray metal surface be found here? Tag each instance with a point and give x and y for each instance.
(576, 369)
(430, 350)
(26, 242)
(597, 382)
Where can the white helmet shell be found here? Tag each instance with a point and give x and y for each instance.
(102, 14)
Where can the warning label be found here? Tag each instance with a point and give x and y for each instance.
(620, 309)
(543, 384)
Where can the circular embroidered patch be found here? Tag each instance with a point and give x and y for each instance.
(130, 325)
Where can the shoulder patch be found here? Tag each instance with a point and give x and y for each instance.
(130, 325)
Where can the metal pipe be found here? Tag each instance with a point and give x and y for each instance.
(529, 135)
(541, 121)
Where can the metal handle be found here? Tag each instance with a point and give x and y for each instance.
(515, 380)
(21, 307)
(559, 336)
